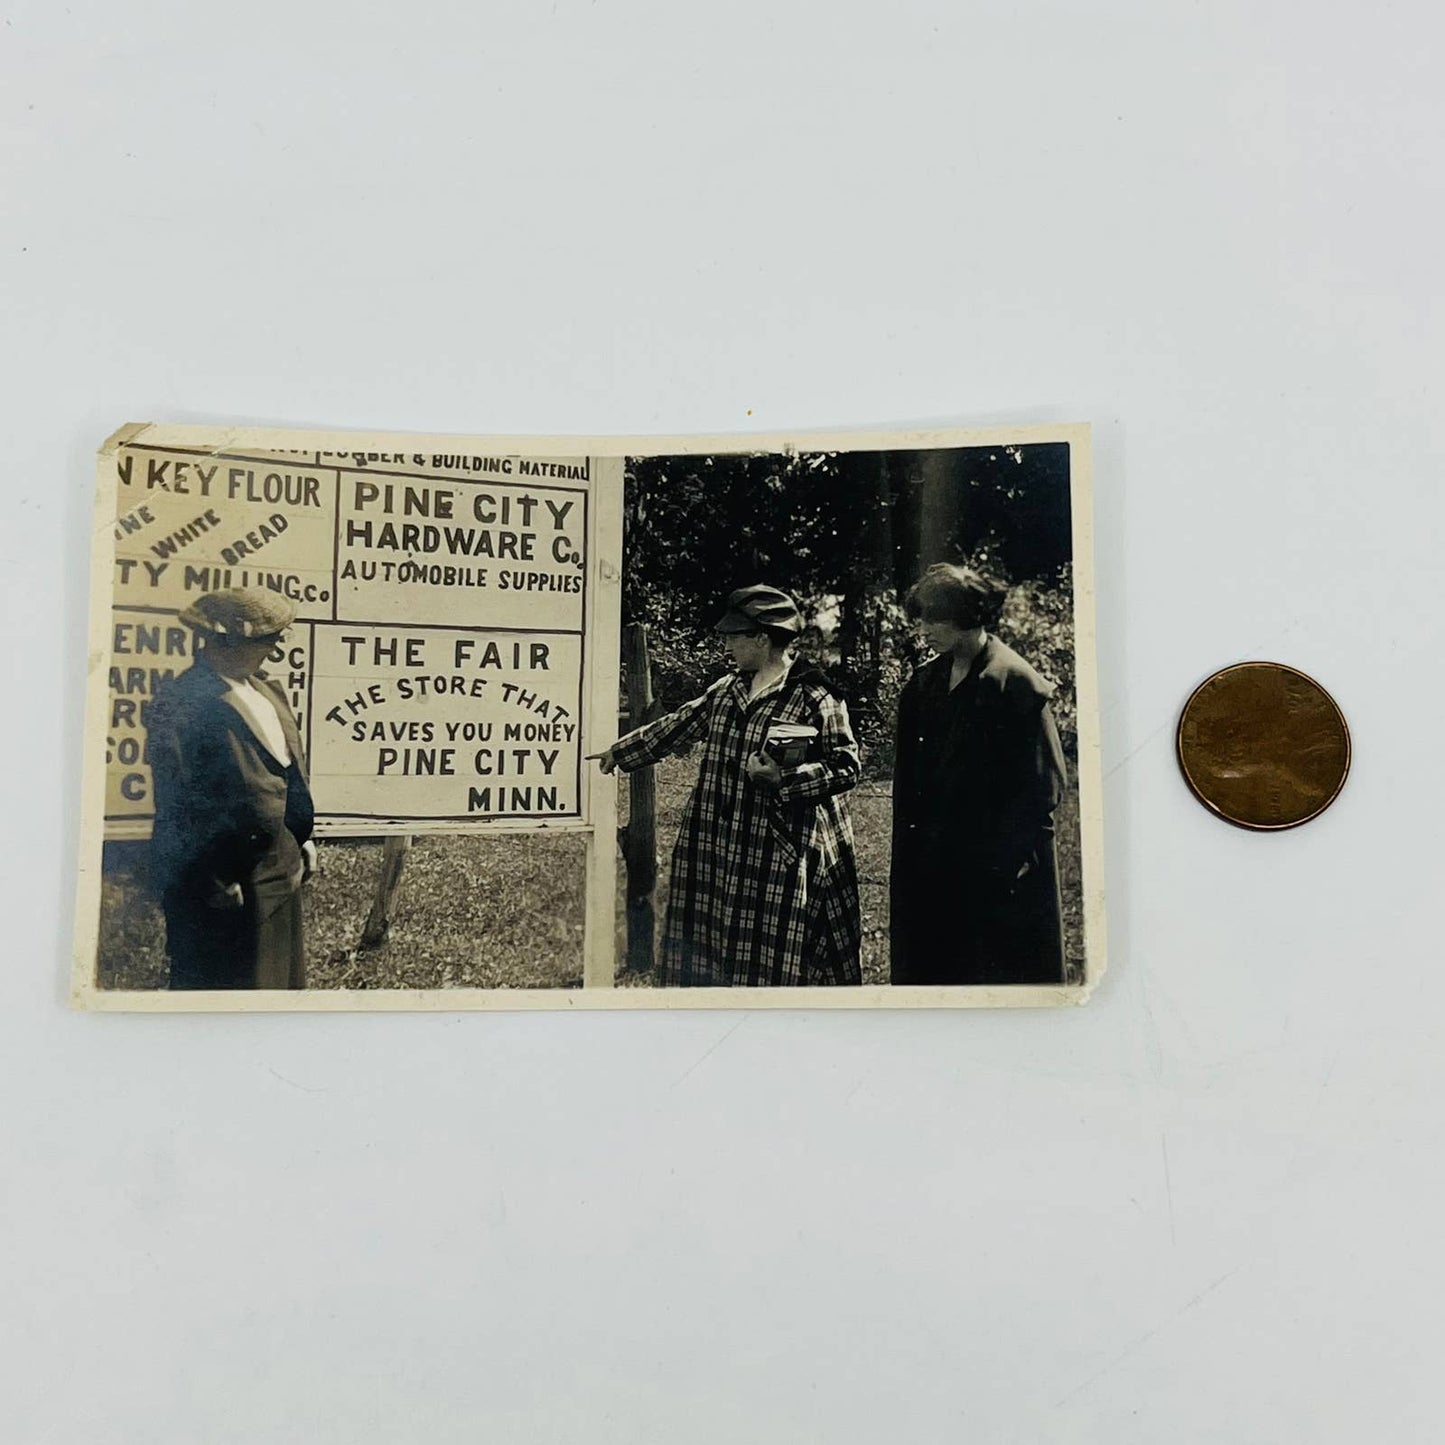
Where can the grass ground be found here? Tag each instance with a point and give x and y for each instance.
(498, 912)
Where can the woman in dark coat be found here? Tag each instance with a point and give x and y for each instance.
(975, 879)
(231, 843)
(764, 887)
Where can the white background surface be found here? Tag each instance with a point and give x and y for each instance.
(1204, 1209)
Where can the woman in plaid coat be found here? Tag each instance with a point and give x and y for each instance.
(764, 886)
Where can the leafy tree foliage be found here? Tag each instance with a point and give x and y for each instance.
(847, 534)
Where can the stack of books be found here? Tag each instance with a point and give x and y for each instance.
(789, 744)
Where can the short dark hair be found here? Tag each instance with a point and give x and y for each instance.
(947, 593)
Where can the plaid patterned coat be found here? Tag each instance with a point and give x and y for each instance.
(764, 887)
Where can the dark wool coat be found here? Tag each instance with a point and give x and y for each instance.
(764, 886)
(975, 882)
(227, 811)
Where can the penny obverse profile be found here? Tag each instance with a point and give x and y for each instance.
(1263, 746)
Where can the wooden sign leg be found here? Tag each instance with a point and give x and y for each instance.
(388, 885)
(640, 834)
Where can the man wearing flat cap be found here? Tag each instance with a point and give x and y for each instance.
(231, 845)
(764, 886)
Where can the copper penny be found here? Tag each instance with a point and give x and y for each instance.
(1263, 746)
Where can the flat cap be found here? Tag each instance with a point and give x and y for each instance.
(751, 608)
(240, 612)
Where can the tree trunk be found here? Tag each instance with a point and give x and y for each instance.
(939, 511)
(865, 476)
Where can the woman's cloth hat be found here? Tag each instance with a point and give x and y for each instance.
(240, 614)
(750, 609)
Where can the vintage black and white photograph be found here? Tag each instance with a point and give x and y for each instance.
(464, 722)
(854, 677)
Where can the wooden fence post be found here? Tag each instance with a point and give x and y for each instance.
(639, 845)
(388, 885)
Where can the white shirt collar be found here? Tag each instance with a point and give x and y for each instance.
(260, 714)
